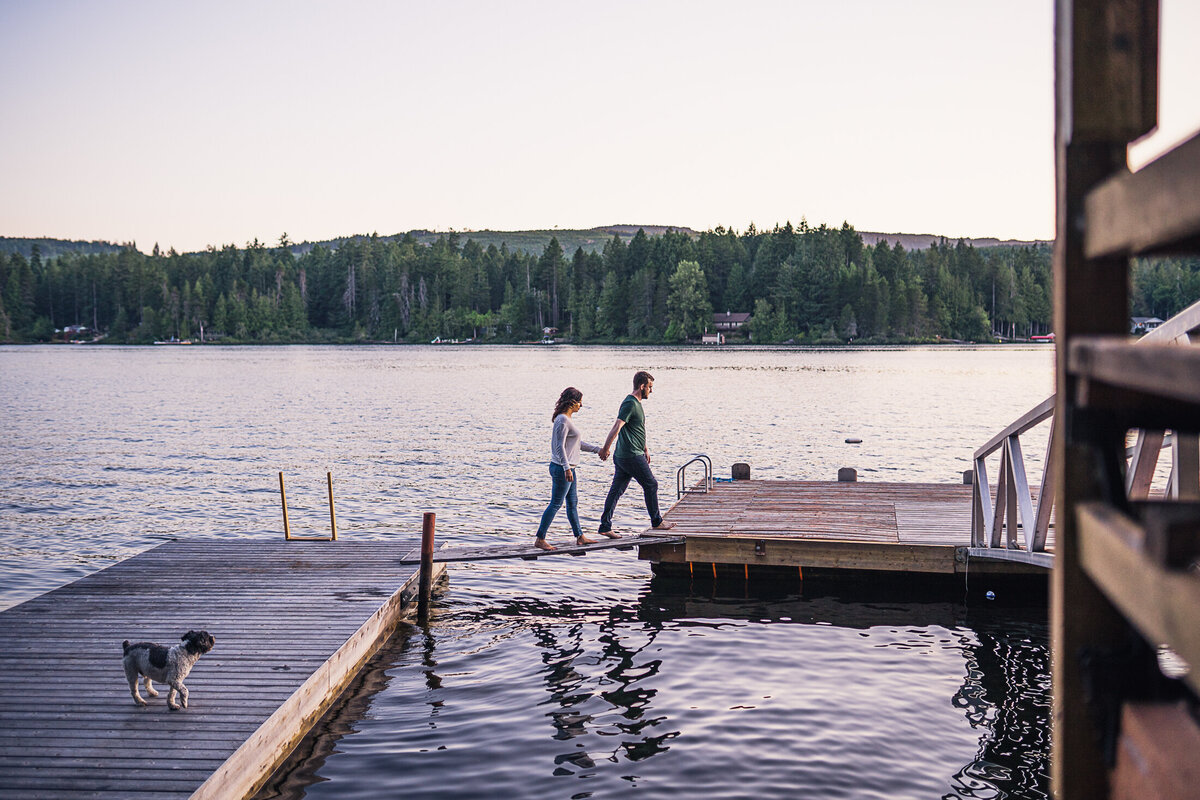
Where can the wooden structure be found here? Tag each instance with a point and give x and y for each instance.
(1124, 582)
(1020, 519)
(294, 623)
(888, 527)
(528, 552)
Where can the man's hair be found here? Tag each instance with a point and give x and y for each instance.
(641, 379)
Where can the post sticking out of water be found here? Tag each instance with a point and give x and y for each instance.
(847, 475)
(426, 581)
(332, 516)
(741, 471)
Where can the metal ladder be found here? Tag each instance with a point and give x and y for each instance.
(681, 487)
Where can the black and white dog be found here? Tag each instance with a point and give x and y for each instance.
(169, 666)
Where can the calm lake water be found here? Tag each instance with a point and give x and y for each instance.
(571, 678)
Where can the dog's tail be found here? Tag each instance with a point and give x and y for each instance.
(125, 646)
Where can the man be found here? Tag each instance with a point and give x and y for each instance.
(631, 461)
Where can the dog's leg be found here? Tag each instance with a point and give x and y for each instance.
(132, 674)
(183, 694)
(171, 695)
(150, 690)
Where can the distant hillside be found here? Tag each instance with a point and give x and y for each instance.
(594, 239)
(52, 248)
(534, 242)
(591, 240)
(923, 241)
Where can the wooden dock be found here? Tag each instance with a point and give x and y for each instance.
(912, 527)
(294, 622)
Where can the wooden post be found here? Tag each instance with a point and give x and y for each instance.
(847, 475)
(287, 531)
(332, 516)
(741, 471)
(1105, 86)
(426, 583)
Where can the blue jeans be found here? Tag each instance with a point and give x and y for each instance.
(561, 489)
(625, 470)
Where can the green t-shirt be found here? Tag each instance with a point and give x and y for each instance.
(631, 441)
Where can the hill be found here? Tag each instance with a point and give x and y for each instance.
(923, 241)
(52, 248)
(592, 240)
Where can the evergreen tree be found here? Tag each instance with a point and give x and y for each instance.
(688, 306)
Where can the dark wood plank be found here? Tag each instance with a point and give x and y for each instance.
(526, 550)
(1156, 209)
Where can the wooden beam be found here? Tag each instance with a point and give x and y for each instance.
(825, 554)
(1153, 210)
(1107, 70)
(982, 554)
(1162, 603)
(1095, 117)
(1161, 370)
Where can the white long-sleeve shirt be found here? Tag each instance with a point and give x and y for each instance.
(565, 443)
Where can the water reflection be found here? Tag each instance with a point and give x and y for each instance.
(1006, 695)
(624, 698)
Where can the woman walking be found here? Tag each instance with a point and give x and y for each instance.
(565, 444)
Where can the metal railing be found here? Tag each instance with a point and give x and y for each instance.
(681, 486)
(1015, 521)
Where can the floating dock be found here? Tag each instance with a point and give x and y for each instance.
(829, 525)
(294, 623)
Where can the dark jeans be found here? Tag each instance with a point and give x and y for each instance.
(625, 470)
(561, 489)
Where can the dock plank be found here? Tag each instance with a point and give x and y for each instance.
(292, 622)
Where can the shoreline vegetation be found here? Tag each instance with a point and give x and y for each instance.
(794, 285)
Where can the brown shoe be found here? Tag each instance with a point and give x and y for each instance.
(664, 526)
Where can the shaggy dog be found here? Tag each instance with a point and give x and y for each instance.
(169, 666)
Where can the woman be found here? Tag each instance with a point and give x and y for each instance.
(565, 444)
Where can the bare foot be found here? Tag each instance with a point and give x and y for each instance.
(584, 540)
(664, 526)
(610, 534)
(542, 544)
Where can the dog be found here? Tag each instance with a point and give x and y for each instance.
(170, 666)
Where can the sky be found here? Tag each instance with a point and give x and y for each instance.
(196, 124)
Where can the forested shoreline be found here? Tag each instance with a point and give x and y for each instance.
(799, 284)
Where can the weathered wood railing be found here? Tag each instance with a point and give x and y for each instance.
(999, 526)
(1015, 521)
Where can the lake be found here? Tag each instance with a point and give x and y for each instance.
(566, 678)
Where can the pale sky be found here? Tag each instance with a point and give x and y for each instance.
(220, 122)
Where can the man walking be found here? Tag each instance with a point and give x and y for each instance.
(631, 461)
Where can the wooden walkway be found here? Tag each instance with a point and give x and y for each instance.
(911, 527)
(527, 552)
(293, 621)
